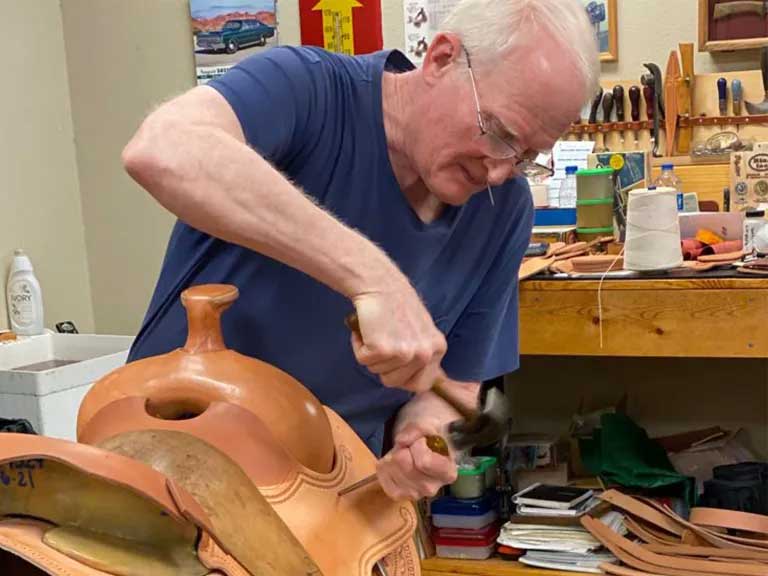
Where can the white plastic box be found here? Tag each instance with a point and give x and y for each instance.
(43, 379)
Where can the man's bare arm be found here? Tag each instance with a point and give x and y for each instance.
(191, 156)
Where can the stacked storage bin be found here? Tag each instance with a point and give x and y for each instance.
(465, 521)
(594, 207)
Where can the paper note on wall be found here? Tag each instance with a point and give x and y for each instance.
(569, 153)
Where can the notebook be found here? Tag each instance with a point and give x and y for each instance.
(549, 496)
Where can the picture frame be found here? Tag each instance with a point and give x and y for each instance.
(604, 18)
(742, 28)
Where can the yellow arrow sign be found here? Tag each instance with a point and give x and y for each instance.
(338, 32)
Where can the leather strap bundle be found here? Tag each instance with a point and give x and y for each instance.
(714, 542)
(757, 267)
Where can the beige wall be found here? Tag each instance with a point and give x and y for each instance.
(39, 196)
(650, 29)
(124, 58)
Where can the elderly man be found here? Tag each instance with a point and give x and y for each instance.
(319, 184)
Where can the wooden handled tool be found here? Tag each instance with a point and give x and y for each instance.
(618, 102)
(607, 110)
(649, 95)
(353, 323)
(595, 107)
(634, 100)
(436, 443)
(722, 96)
(685, 97)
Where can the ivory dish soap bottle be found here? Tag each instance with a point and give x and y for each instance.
(25, 299)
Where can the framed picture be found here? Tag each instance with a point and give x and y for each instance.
(602, 14)
(227, 32)
(726, 25)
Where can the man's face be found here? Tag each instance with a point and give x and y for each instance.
(526, 103)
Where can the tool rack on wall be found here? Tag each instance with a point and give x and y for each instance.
(691, 111)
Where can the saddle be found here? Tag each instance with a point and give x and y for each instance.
(200, 462)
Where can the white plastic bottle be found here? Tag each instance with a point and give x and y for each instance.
(25, 299)
(568, 188)
(668, 179)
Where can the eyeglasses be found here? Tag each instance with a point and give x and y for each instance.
(496, 147)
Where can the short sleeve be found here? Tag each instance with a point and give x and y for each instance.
(484, 341)
(276, 96)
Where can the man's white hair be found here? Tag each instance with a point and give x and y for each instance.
(491, 29)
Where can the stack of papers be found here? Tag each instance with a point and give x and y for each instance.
(570, 548)
(569, 562)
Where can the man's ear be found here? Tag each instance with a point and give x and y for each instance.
(443, 54)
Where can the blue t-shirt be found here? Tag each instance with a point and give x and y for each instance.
(317, 117)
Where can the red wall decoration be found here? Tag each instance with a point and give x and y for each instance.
(346, 26)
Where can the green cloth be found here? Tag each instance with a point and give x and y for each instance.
(621, 453)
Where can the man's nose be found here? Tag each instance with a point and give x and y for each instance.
(499, 171)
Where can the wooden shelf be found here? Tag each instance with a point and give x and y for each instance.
(673, 318)
(447, 567)
(684, 122)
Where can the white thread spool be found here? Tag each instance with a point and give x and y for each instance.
(653, 231)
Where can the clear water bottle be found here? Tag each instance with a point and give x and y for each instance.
(668, 179)
(568, 188)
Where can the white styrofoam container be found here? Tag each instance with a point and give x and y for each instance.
(50, 398)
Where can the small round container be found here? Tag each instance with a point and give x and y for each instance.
(488, 463)
(470, 482)
(594, 213)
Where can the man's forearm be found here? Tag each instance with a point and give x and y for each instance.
(217, 184)
(429, 405)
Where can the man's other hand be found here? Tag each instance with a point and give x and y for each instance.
(400, 342)
(411, 470)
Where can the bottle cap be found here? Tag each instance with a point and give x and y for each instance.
(571, 169)
(21, 263)
(667, 166)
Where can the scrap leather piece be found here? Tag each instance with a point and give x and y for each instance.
(730, 520)
(732, 256)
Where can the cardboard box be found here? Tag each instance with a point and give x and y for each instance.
(727, 225)
(550, 234)
(749, 180)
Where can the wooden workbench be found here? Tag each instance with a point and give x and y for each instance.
(446, 567)
(700, 317)
(723, 317)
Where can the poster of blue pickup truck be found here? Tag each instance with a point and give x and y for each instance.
(227, 31)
